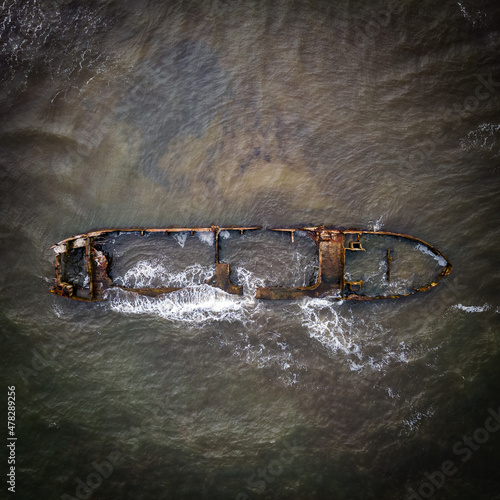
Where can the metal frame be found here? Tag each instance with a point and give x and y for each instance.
(331, 248)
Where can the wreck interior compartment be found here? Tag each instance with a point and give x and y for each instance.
(158, 260)
(271, 258)
(74, 267)
(387, 265)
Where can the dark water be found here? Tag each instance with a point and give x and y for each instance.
(350, 113)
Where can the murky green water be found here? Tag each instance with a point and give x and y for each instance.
(188, 113)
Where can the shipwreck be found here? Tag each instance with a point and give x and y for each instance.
(352, 264)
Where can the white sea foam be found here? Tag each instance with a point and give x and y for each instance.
(483, 137)
(339, 332)
(57, 310)
(149, 274)
(472, 309)
(325, 320)
(474, 17)
(427, 251)
(194, 303)
(181, 238)
(377, 225)
(392, 394)
(207, 238)
(325, 324)
(413, 422)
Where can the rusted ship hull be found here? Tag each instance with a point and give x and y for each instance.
(99, 281)
(333, 281)
(333, 245)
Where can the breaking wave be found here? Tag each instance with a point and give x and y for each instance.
(331, 329)
(329, 322)
(339, 332)
(207, 238)
(150, 274)
(195, 303)
(473, 309)
(425, 250)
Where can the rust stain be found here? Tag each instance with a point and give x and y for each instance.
(389, 260)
